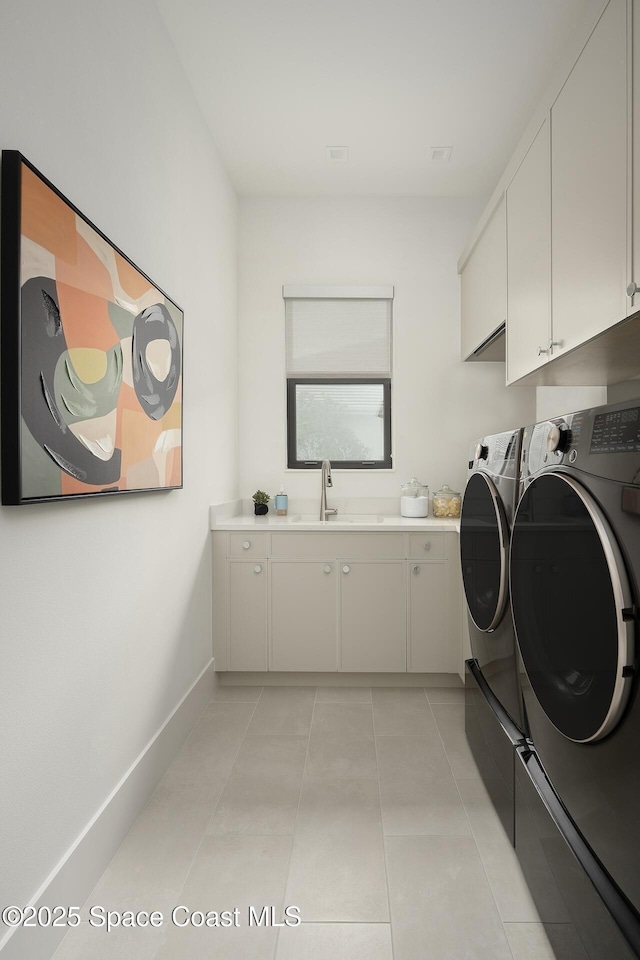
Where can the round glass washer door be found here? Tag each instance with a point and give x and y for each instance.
(484, 538)
(569, 588)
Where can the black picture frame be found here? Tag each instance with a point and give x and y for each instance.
(23, 418)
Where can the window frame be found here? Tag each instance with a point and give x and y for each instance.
(293, 464)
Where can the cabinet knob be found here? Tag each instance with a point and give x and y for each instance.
(346, 568)
(427, 545)
(257, 568)
(416, 569)
(327, 568)
(246, 544)
(632, 289)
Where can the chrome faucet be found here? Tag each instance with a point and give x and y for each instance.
(326, 482)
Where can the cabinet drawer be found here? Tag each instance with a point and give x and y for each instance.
(332, 546)
(248, 545)
(428, 546)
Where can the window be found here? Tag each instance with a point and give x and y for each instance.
(338, 343)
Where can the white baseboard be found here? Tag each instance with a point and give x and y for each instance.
(74, 877)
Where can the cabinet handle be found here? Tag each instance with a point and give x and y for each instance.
(632, 289)
(246, 544)
(257, 568)
(427, 545)
(416, 569)
(327, 568)
(550, 345)
(346, 568)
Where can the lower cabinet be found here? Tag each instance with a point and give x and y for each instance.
(247, 586)
(429, 641)
(370, 614)
(373, 617)
(304, 615)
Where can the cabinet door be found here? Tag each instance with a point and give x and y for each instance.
(529, 260)
(589, 186)
(634, 302)
(429, 640)
(304, 611)
(373, 618)
(484, 284)
(247, 615)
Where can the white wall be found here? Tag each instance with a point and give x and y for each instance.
(106, 605)
(556, 401)
(439, 404)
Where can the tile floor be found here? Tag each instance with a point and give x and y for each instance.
(362, 807)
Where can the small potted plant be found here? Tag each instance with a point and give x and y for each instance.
(260, 503)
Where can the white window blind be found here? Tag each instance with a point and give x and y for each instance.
(333, 337)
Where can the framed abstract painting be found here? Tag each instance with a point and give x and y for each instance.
(91, 386)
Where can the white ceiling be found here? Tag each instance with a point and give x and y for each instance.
(280, 80)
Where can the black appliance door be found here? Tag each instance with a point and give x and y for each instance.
(571, 606)
(491, 735)
(605, 924)
(484, 538)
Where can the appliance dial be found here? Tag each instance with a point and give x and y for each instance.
(557, 438)
(482, 452)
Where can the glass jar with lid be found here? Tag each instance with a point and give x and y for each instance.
(446, 503)
(414, 501)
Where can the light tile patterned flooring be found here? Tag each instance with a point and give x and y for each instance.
(363, 807)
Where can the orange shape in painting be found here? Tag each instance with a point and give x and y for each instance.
(87, 273)
(139, 435)
(131, 280)
(174, 467)
(46, 219)
(85, 319)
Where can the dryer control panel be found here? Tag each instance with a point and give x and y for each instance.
(616, 431)
(602, 442)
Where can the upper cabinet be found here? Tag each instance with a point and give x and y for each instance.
(634, 279)
(529, 260)
(573, 222)
(589, 158)
(484, 285)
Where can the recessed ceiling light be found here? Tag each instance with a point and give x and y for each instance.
(440, 154)
(337, 154)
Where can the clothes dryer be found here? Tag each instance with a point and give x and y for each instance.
(493, 706)
(575, 593)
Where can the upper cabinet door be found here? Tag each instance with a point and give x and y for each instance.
(484, 284)
(589, 187)
(529, 260)
(634, 302)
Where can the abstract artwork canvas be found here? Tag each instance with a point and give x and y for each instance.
(91, 385)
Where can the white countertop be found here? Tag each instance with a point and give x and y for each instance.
(354, 523)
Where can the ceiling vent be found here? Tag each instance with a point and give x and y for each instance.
(337, 154)
(440, 154)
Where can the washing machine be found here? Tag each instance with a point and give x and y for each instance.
(575, 595)
(493, 706)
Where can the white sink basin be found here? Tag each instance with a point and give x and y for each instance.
(359, 518)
